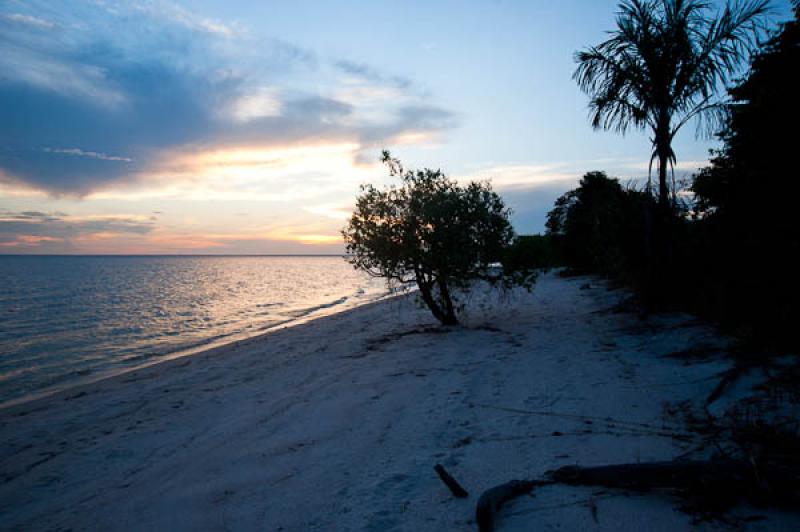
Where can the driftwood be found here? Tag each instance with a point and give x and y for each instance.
(769, 484)
(685, 474)
(653, 475)
(450, 482)
(492, 499)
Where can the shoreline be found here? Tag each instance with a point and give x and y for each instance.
(233, 342)
(336, 424)
(200, 348)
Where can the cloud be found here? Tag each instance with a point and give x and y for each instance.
(181, 16)
(28, 20)
(26, 232)
(560, 174)
(682, 166)
(102, 97)
(364, 72)
(517, 176)
(59, 232)
(529, 206)
(261, 103)
(91, 154)
(226, 244)
(531, 189)
(335, 211)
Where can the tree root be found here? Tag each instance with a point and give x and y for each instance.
(492, 499)
(711, 486)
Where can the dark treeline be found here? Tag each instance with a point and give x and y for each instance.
(728, 248)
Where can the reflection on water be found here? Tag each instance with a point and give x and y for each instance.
(63, 318)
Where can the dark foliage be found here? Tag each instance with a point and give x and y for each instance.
(748, 229)
(530, 252)
(432, 232)
(600, 227)
(732, 256)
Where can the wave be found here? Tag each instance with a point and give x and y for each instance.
(310, 310)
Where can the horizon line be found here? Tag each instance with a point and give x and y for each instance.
(173, 254)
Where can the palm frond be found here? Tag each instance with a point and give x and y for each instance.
(667, 60)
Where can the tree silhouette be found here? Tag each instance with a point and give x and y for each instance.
(758, 153)
(748, 253)
(663, 66)
(433, 232)
(597, 227)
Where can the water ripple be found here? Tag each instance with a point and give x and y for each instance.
(62, 318)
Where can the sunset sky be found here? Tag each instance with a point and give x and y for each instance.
(217, 126)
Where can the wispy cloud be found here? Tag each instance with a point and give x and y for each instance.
(533, 175)
(527, 175)
(335, 211)
(684, 166)
(77, 152)
(365, 72)
(178, 15)
(28, 20)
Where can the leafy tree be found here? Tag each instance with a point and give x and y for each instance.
(748, 237)
(758, 152)
(663, 66)
(597, 226)
(529, 252)
(433, 232)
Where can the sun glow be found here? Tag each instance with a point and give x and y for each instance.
(275, 174)
(254, 155)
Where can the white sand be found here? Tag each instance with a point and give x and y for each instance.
(336, 424)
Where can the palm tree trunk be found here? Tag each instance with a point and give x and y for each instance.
(662, 144)
(663, 188)
(661, 239)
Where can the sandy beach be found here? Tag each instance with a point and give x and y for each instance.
(336, 424)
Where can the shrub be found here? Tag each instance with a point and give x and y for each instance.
(433, 232)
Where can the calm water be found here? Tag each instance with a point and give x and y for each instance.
(64, 320)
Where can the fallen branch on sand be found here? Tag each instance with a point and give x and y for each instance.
(450, 482)
(654, 475)
(716, 483)
(492, 499)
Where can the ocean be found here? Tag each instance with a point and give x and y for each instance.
(69, 319)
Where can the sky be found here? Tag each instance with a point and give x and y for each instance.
(239, 127)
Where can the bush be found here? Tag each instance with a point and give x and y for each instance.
(531, 252)
(434, 233)
(600, 226)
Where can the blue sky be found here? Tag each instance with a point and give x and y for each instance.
(246, 127)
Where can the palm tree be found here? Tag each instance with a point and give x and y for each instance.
(663, 66)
